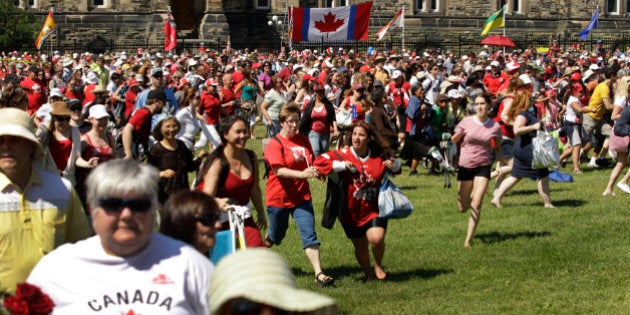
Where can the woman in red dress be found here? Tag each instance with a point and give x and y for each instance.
(362, 168)
(231, 175)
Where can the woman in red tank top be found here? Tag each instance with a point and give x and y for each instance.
(231, 175)
(96, 143)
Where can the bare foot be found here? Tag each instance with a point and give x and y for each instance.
(380, 273)
(495, 202)
(549, 206)
(467, 245)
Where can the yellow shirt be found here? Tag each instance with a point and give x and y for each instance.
(597, 100)
(33, 222)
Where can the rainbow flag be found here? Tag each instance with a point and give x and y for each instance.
(48, 29)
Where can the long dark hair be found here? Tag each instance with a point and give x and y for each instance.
(225, 124)
(376, 144)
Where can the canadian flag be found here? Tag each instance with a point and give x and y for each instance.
(170, 32)
(396, 22)
(340, 23)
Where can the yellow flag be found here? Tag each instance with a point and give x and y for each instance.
(494, 21)
(47, 30)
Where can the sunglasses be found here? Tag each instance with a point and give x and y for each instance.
(246, 307)
(114, 204)
(207, 219)
(61, 118)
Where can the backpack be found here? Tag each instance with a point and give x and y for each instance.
(267, 166)
(494, 107)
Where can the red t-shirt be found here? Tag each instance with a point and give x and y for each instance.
(399, 95)
(141, 122)
(228, 96)
(319, 121)
(296, 154)
(494, 83)
(87, 92)
(238, 78)
(33, 94)
(369, 174)
(130, 102)
(210, 104)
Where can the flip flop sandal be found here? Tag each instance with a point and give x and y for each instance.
(324, 281)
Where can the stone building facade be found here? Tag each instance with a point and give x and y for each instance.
(142, 20)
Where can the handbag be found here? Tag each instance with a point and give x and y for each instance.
(229, 240)
(392, 203)
(618, 143)
(335, 198)
(545, 150)
(343, 118)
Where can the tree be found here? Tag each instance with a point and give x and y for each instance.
(18, 28)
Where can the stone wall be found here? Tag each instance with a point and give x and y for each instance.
(142, 20)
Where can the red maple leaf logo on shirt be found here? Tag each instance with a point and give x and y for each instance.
(330, 23)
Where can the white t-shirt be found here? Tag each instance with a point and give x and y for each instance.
(168, 277)
(621, 101)
(572, 115)
(190, 127)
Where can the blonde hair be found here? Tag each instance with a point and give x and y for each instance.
(622, 88)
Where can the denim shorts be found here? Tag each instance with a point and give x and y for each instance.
(304, 219)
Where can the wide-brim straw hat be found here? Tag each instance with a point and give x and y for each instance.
(60, 108)
(262, 276)
(100, 89)
(16, 122)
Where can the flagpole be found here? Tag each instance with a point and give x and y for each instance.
(597, 20)
(52, 9)
(402, 16)
(504, 9)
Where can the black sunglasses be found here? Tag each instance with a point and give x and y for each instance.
(207, 219)
(114, 204)
(61, 118)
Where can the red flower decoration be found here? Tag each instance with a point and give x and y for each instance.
(28, 299)
(16, 305)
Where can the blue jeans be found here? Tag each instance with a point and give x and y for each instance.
(319, 142)
(304, 219)
(273, 128)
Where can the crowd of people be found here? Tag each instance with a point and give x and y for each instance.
(118, 135)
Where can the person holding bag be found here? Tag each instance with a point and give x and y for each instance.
(619, 143)
(288, 193)
(362, 168)
(317, 120)
(526, 124)
(572, 127)
(474, 135)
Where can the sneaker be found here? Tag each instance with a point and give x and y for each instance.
(624, 187)
(602, 162)
(593, 164)
(413, 173)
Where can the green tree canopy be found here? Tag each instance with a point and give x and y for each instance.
(18, 28)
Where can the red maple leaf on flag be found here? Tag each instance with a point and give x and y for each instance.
(330, 23)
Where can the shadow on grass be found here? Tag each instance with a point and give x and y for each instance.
(341, 272)
(565, 203)
(497, 237)
(407, 187)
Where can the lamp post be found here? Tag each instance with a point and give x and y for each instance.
(277, 24)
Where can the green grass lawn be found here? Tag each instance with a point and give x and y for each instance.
(525, 259)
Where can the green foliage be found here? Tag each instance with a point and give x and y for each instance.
(525, 259)
(18, 28)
